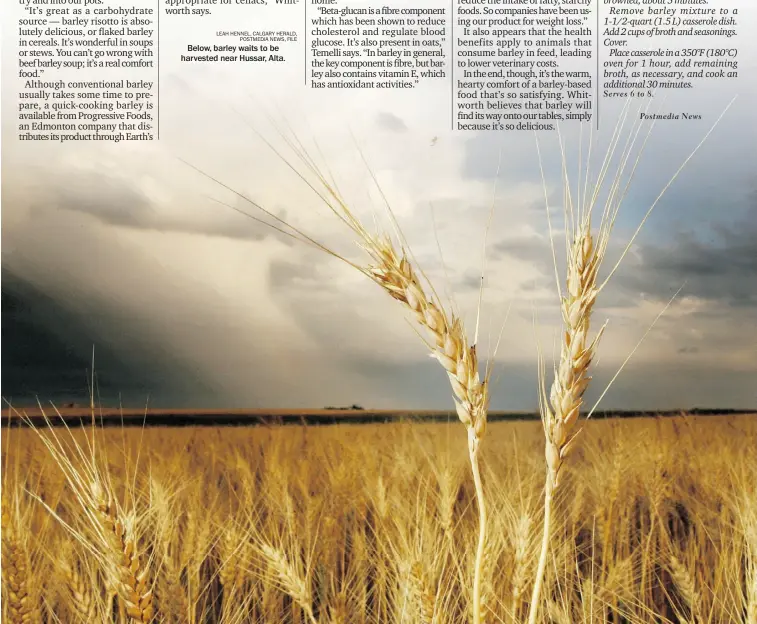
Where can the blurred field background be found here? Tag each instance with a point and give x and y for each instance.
(377, 523)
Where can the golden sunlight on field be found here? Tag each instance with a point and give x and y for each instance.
(656, 522)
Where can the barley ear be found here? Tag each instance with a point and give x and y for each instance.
(290, 579)
(686, 589)
(22, 606)
(81, 599)
(130, 573)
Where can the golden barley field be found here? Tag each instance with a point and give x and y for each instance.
(655, 521)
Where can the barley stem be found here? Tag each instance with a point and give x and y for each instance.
(534, 608)
(474, 444)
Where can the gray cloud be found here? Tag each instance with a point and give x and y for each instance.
(299, 277)
(535, 251)
(390, 121)
(718, 262)
(468, 281)
(721, 268)
(114, 202)
(685, 350)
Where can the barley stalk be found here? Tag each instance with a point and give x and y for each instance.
(231, 571)
(522, 533)
(82, 600)
(390, 267)
(746, 511)
(558, 613)
(173, 598)
(422, 595)
(561, 410)
(488, 597)
(21, 607)
(751, 596)
(686, 589)
(393, 272)
(751, 574)
(447, 497)
(338, 611)
(131, 576)
(173, 605)
(112, 535)
(290, 579)
(585, 252)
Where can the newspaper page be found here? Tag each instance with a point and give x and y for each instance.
(379, 311)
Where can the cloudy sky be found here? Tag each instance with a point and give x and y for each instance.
(128, 249)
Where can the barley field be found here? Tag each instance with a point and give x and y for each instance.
(655, 521)
(561, 520)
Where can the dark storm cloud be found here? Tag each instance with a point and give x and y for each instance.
(48, 345)
(390, 121)
(114, 202)
(721, 267)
